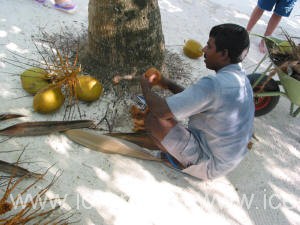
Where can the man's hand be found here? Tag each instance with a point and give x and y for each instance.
(145, 83)
(156, 104)
(153, 76)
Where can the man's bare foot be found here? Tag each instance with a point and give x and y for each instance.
(262, 46)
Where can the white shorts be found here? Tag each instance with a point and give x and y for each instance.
(182, 145)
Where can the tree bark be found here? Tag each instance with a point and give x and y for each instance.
(125, 34)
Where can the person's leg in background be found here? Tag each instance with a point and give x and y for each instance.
(272, 24)
(283, 8)
(255, 16)
(258, 11)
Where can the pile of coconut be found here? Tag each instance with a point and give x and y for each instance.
(50, 87)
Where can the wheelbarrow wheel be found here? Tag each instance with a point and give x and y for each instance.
(266, 104)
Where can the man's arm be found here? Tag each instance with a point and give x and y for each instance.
(157, 105)
(170, 85)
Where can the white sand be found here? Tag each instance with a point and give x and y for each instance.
(109, 189)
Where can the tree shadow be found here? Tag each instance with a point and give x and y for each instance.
(270, 171)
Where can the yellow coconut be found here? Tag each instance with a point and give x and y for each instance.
(192, 49)
(48, 100)
(88, 88)
(34, 79)
(285, 47)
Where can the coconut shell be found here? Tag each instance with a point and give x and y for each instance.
(48, 100)
(34, 79)
(192, 49)
(88, 88)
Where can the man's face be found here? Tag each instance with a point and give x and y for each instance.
(213, 59)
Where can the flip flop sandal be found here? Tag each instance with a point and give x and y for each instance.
(174, 163)
(67, 6)
(41, 1)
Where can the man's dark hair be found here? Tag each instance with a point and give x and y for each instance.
(232, 37)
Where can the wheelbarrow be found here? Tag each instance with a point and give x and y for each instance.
(267, 92)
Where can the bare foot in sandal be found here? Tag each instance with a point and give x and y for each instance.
(65, 5)
(41, 1)
(262, 46)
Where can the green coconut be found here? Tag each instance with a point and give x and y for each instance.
(48, 100)
(192, 49)
(88, 88)
(34, 79)
(285, 47)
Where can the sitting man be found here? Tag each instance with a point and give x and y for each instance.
(219, 107)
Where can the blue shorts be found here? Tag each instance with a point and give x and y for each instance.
(282, 7)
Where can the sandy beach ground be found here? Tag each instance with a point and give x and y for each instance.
(116, 190)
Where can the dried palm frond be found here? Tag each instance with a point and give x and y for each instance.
(44, 127)
(37, 208)
(15, 170)
(36, 211)
(8, 116)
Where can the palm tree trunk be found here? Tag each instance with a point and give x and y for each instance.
(125, 34)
